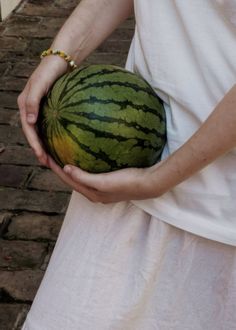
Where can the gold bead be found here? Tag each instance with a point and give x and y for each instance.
(60, 53)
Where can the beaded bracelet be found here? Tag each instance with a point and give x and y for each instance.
(60, 53)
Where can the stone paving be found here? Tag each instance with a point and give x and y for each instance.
(33, 200)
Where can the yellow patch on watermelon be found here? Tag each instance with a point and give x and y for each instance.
(65, 148)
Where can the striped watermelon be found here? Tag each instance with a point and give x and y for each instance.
(102, 118)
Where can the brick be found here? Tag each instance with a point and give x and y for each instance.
(42, 2)
(104, 58)
(38, 45)
(10, 58)
(20, 285)
(35, 9)
(128, 24)
(5, 218)
(13, 44)
(23, 69)
(14, 176)
(12, 316)
(48, 257)
(21, 26)
(47, 180)
(122, 34)
(5, 116)
(2, 54)
(20, 155)
(55, 202)
(2, 27)
(10, 117)
(21, 255)
(8, 100)
(66, 4)
(56, 3)
(115, 46)
(3, 68)
(33, 226)
(2, 147)
(50, 26)
(21, 317)
(14, 84)
(39, 27)
(12, 135)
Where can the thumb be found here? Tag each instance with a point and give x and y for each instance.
(90, 180)
(33, 99)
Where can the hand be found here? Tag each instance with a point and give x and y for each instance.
(28, 101)
(125, 184)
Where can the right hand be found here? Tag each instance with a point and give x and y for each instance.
(50, 68)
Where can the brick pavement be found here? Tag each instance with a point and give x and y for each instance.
(33, 200)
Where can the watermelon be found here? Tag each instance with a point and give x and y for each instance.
(102, 118)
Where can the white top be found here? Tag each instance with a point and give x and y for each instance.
(187, 52)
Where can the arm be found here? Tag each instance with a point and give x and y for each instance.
(215, 137)
(90, 23)
(199, 151)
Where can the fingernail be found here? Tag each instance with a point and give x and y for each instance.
(67, 169)
(31, 118)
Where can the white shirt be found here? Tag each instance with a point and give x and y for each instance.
(186, 49)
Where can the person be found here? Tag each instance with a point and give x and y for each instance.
(150, 248)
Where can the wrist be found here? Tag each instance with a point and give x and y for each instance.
(60, 53)
(57, 64)
(68, 46)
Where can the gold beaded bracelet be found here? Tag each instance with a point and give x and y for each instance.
(60, 53)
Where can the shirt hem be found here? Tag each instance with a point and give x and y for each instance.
(190, 225)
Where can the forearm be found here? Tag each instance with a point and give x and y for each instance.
(214, 138)
(90, 24)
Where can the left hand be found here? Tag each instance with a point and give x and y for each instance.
(121, 185)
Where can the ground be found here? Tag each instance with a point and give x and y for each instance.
(33, 200)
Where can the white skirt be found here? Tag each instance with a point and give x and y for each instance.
(115, 267)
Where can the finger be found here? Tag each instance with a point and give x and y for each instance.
(65, 177)
(32, 102)
(32, 138)
(95, 181)
(89, 193)
(29, 130)
(58, 171)
(22, 98)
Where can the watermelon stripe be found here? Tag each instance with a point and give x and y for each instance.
(49, 102)
(61, 86)
(51, 150)
(83, 79)
(125, 84)
(57, 131)
(101, 73)
(101, 155)
(56, 157)
(98, 155)
(70, 78)
(108, 83)
(139, 142)
(122, 104)
(135, 125)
